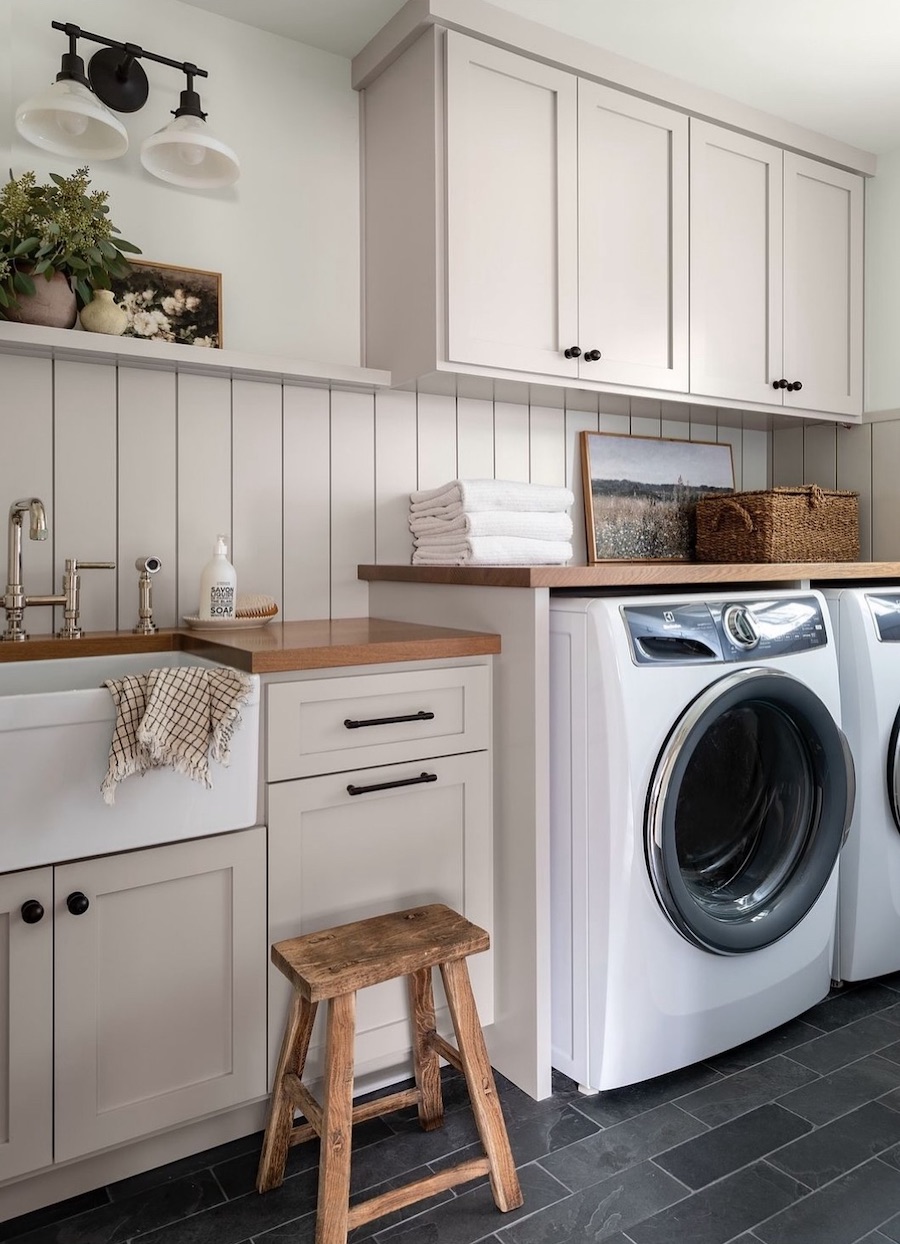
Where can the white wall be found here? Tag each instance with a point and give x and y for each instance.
(286, 236)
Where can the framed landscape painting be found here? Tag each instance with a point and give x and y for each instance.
(640, 493)
(166, 303)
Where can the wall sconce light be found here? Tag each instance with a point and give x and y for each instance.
(73, 118)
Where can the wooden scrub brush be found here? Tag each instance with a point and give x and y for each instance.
(255, 605)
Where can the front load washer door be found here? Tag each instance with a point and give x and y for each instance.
(747, 810)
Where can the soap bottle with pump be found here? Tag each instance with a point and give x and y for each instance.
(218, 585)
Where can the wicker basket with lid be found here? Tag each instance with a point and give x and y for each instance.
(805, 523)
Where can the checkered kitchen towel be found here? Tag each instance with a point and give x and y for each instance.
(175, 717)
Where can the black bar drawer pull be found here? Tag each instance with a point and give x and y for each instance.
(364, 790)
(386, 721)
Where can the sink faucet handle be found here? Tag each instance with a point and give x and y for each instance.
(71, 628)
(80, 565)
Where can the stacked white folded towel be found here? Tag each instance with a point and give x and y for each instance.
(491, 522)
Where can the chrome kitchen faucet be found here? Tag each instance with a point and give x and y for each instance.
(15, 601)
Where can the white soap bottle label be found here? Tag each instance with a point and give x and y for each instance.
(218, 585)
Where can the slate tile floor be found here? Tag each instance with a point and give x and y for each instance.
(793, 1138)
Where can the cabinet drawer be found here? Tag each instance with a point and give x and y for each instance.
(329, 725)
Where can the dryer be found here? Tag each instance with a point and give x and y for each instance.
(701, 789)
(867, 631)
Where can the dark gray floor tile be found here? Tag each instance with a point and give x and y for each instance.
(600, 1212)
(852, 1002)
(620, 1146)
(118, 1221)
(735, 1144)
(790, 1035)
(890, 982)
(186, 1166)
(873, 1237)
(745, 1090)
(616, 1105)
(473, 1215)
(402, 1152)
(232, 1222)
(834, 1149)
(14, 1227)
(840, 1212)
(843, 1090)
(725, 1209)
(873, 1033)
(891, 1051)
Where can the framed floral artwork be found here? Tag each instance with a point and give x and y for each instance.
(166, 303)
(641, 492)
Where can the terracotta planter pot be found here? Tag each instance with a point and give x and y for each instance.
(52, 304)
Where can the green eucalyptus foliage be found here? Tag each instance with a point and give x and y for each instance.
(62, 227)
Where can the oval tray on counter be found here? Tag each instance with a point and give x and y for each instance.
(225, 624)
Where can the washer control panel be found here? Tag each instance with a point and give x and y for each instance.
(885, 609)
(741, 630)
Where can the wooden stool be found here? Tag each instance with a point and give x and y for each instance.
(329, 967)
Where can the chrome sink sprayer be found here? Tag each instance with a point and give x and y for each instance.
(15, 602)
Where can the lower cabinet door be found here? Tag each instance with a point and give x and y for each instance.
(336, 856)
(26, 1022)
(160, 988)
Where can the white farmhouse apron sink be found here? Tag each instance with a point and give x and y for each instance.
(56, 722)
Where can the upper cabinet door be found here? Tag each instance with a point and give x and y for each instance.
(633, 239)
(512, 189)
(736, 265)
(823, 286)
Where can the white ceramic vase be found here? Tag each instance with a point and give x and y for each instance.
(103, 314)
(52, 305)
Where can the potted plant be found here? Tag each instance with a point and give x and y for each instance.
(62, 233)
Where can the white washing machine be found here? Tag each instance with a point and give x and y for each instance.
(867, 632)
(701, 789)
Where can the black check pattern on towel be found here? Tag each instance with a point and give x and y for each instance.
(174, 717)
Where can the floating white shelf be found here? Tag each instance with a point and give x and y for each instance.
(61, 343)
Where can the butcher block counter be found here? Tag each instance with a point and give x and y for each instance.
(279, 646)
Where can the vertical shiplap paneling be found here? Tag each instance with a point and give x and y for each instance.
(704, 421)
(436, 421)
(547, 441)
(306, 474)
(820, 456)
(734, 437)
(475, 438)
(352, 500)
(26, 468)
(885, 493)
(787, 456)
(646, 416)
(854, 472)
(755, 459)
(395, 476)
(675, 420)
(256, 505)
(204, 478)
(147, 500)
(577, 421)
(84, 465)
(615, 414)
(511, 448)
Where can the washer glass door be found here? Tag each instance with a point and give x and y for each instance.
(748, 808)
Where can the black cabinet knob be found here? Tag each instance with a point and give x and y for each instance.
(780, 384)
(795, 387)
(591, 356)
(573, 352)
(78, 903)
(32, 911)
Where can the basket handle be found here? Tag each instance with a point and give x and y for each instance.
(743, 514)
(815, 496)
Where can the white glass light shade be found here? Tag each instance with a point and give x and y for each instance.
(185, 153)
(69, 120)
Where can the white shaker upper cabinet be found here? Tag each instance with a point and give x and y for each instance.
(736, 265)
(823, 286)
(632, 239)
(776, 275)
(512, 186)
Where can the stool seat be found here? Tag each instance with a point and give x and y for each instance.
(366, 952)
(330, 966)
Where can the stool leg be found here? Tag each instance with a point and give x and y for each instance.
(337, 1120)
(480, 1081)
(426, 1060)
(280, 1121)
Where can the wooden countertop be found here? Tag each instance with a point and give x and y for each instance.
(634, 574)
(279, 646)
